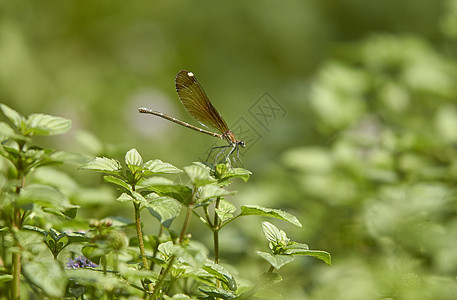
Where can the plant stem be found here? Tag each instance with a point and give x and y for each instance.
(139, 234)
(271, 269)
(216, 232)
(216, 246)
(186, 222)
(16, 290)
(16, 257)
(158, 285)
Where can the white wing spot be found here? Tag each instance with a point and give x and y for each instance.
(190, 74)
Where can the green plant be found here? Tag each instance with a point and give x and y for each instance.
(102, 262)
(24, 205)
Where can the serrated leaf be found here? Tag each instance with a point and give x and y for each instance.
(102, 164)
(117, 181)
(221, 274)
(211, 191)
(225, 210)
(322, 255)
(255, 210)
(159, 167)
(277, 261)
(181, 193)
(133, 158)
(165, 209)
(166, 249)
(199, 175)
(15, 118)
(41, 124)
(217, 293)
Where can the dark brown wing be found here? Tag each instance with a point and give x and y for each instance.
(197, 104)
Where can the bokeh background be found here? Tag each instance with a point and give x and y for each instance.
(364, 153)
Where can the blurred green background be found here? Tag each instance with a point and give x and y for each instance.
(365, 154)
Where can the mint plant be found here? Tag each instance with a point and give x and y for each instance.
(100, 259)
(174, 258)
(25, 205)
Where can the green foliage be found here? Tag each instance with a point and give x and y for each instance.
(364, 156)
(104, 261)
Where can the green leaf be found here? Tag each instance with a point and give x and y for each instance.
(211, 191)
(221, 274)
(12, 154)
(48, 275)
(105, 282)
(199, 175)
(181, 193)
(72, 157)
(233, 173)
(148, 182)
(103, 164)
(43, 195)
(159, 167)
(164, 208)
(166, 249)
(6, 278)
(34, 228)
(277, 261)
(132, 273)
(322, 255)
(70, 211)
(93, 253)
(133, 158)
(6, 131)
(254, 210)
(293, 246)
(217, 293)
(225, 210)
(124, 197)
(12, 115)
(266, 280)
(77, 237)
(139, 198)
(41, 124)
(117, 181)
